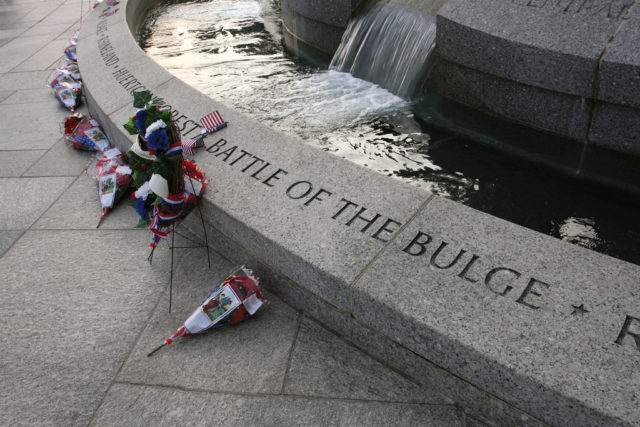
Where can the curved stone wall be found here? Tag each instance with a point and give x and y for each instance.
(565, 67)
(314, 28)
(513, 325)
(571, 68)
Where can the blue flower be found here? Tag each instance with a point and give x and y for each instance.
(140, 208)
(158, 140)
(141, 118)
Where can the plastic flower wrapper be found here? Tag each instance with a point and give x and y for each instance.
(60, 76)
(66, 88)
(231, 301)
(71, 67)
(70, 48)
(84, 133)
(69, 95)
(112, 176)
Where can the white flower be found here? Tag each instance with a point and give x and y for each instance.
(158, 124)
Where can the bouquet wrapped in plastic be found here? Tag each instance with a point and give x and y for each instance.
(70, 48)
(66, 88)
(231, 301)
(84, 133)
(71, 67)
(112, 176)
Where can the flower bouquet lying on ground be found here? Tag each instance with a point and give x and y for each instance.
(84, 133)
(66, 83)
(112, 176)
(167, 186)
(231, 301)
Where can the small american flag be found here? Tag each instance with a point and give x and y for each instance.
(189, 145)
(212, 122)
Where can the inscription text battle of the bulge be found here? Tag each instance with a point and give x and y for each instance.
(500, 280)
(440, 254)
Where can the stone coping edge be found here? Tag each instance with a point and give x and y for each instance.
(339, 244)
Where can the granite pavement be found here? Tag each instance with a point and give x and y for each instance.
(81, 306)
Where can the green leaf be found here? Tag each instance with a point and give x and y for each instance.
(144, 223)
(165, 115)
(130, 127)
(141, 98)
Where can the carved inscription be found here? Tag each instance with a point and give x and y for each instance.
(441, 255)
(614, 9)
(528, 291)
(497, 279)
(630, 329)
(128, 81)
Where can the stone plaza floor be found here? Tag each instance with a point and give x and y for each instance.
(81, 307)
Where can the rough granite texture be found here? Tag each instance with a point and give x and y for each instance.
(152, 405)
(619, 79)
(524, 54)
(81, 305)
(558, 363)
(534, 324)
(524, 41)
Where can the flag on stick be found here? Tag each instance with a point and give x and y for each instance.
(189, 145)
(231, 301)
(212, 122)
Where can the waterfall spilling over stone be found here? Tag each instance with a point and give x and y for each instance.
(388, 44)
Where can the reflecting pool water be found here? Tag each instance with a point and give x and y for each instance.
(232, 51)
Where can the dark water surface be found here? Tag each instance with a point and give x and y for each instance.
(232, 51)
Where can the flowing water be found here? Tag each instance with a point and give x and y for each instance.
(232, 51)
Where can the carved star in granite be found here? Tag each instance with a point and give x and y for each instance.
(579, 309)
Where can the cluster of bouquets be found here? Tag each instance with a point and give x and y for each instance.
(66, 82)
(84, 133)
(234, 299)
(167, 186)
(112, 176)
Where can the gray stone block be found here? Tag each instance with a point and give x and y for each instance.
(616, 127)
(5, 94)
(40, 131)
(332, 12)
(619, 77)
(532, 106)
(139, 405)
(75, 162)
(20, 49)
(44, 59)
(15, 163)
(24, 80)
(25, 199)
(552, 45)
(312, 305)
(83, 195)
(464, 394)
(320, 35)
(544, 326)
(7, 238)
(323, 365)
(68, 330)
(30, 96)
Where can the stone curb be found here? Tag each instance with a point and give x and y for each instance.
(513, 325)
